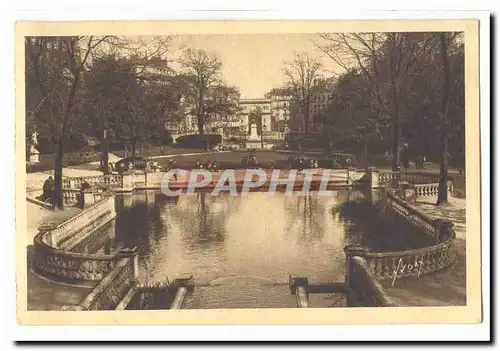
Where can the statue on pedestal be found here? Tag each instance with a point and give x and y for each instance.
(34, 154)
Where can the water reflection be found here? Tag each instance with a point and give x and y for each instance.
(213, 237)
(243, 240)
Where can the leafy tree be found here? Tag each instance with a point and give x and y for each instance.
(387, 60)
(54, 66)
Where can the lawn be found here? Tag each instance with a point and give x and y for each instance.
(157, 151)
(229, 160)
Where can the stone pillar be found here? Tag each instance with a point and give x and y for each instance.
(134, 255)
(295, 282)
(373, 174)
(88, 198)
(128, 181)
(352, 251)
(406, 191)
(444, 229)
(47, 227)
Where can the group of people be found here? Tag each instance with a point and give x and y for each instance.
(208, 165)
(301, 162)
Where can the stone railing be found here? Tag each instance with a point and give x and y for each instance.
(78, 226)
(112, 180)
(415, 262)
(53, 244)
(431, 189)
(116, 289)
(364, 290)
(72, 197)
(387, 177)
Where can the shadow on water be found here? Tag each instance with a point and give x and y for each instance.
(367, 227)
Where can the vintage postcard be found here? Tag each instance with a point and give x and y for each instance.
(248, 172)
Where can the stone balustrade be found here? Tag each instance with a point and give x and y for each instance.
(72, 197)
(431, 189)
(112, 180)
(388, 177)
(53, 244)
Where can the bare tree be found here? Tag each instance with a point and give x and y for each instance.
(378, 55)
(202, 71)
(301, 73)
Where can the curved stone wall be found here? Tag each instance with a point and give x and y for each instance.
(53, 258)
(396, 264)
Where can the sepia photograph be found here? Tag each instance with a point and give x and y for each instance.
(254, 170)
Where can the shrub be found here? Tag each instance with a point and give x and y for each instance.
(195, 141)
(161, 137)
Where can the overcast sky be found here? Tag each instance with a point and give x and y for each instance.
(254, 62)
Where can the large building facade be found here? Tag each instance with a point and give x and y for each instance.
(319, 104)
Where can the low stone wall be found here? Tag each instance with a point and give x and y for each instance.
(114, 287)
(52, 244)
(396, 264)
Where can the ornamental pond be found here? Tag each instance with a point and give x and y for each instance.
(241, 250)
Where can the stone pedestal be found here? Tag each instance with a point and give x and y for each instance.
(253, 132)
(34, 158)
(128, 182)
(88, 198)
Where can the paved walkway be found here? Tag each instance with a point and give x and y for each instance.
(44, 294)
(448, 286)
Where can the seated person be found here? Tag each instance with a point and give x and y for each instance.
(48, 189)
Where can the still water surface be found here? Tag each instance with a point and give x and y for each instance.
(240, 250)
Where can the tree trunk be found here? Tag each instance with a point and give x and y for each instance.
(57, 196)
(443, 171)
(366, 155)
(306, 119)
(396, 118)
(133, 148)
(104, 152)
